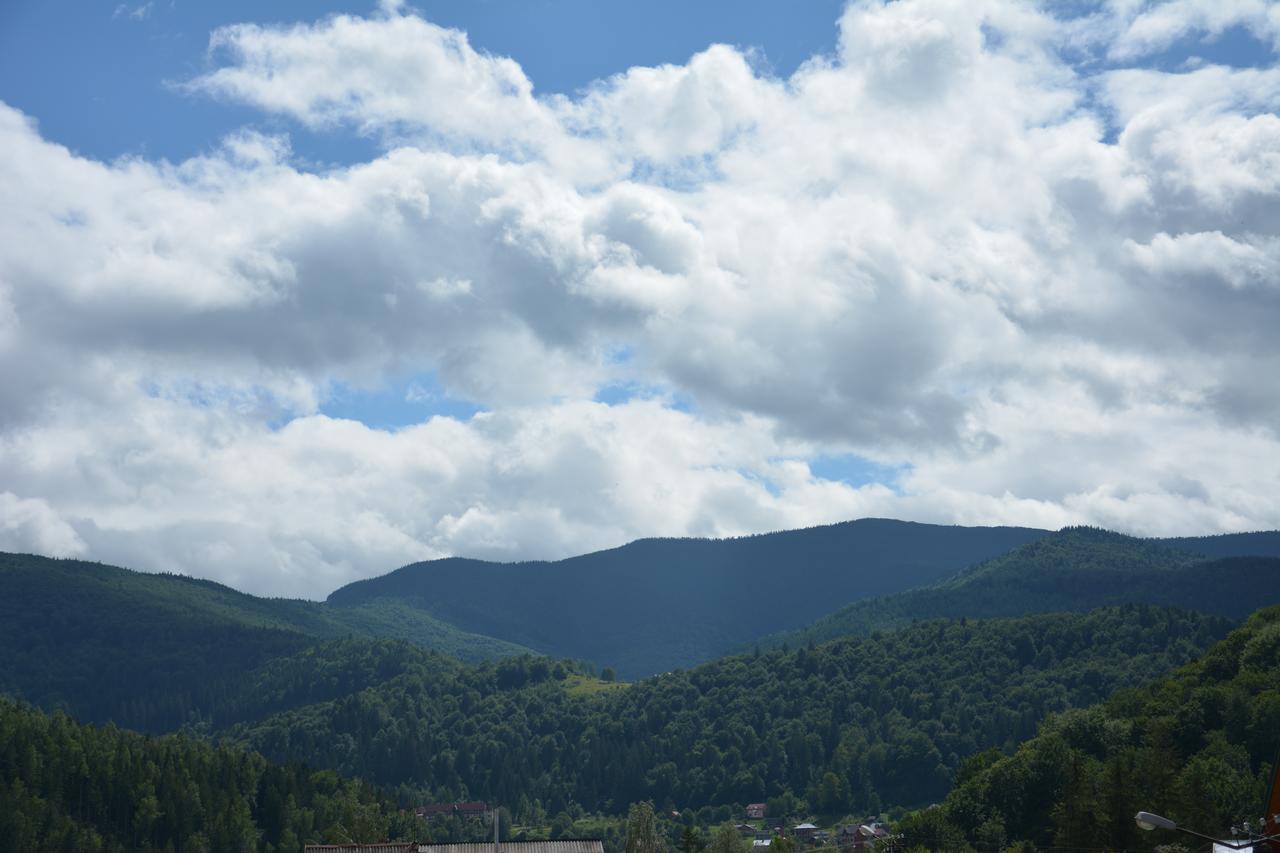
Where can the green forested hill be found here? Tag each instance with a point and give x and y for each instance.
(108, 643)
(66, 786)
(1194, 746)
(849, 726)
(658, 604)
(1262, 543)
(1075, 569)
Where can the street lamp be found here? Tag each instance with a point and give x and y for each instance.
(1149, 821)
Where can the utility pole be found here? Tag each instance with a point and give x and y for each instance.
(496, 848)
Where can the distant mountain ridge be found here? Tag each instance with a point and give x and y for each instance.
(1077, 569)
(132, 647)
(138, 648)
(1259, 543)
(660, 604)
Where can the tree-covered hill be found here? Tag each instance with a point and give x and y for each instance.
(1074, 569)
(1262, 543)
(850, 726)
(111, 644)
(67, 786)
(1194, 746)
(658, 604)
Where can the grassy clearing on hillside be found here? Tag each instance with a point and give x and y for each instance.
(583, 685)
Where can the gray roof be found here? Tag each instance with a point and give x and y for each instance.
(581, 845)
(389, 847)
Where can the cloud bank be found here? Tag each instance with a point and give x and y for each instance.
(992, 250)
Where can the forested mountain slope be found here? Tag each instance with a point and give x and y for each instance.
(1194, 746)
(658, 604)
(66, 786)
(1074, 569)
(1262, 543)
(851, 726)
(108, 643)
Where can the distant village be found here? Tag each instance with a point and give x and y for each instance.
(762, 829)
(755, 825)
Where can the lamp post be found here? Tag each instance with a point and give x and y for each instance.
(1267, 838)
(1149, 821)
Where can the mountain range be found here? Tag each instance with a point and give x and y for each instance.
(876, 662)
(81, 629)
(659, 604)
(1078, 569)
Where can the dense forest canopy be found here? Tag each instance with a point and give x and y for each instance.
(67, 786)
(853, 725)
(1196, 746)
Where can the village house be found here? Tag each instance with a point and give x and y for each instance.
(757, 811)
(578, 845)
(855, 836)
(564, 845)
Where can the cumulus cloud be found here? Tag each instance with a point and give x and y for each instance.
(1161, 24)
(31, 525)
(1040, 285)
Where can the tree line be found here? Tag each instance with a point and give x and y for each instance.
(1196, 746)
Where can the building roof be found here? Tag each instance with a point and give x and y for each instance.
(568, 845)
(389, 847)
(572, 845)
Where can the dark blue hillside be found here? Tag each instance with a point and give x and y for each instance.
(1264, 543)
(1076, 569)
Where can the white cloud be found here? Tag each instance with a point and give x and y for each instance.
(137, 13)
(1161, 24)
(1046, 288)
(30, 525)
(1185, 259)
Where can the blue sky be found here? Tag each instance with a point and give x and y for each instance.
(346, 293)
(96, 76)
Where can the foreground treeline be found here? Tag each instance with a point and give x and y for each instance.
(1195, 746)
(71, 787)
(852, 726)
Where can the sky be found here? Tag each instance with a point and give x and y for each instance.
(292, 297)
